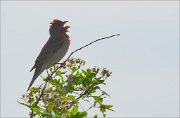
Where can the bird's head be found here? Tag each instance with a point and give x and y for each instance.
(58, 22)
(58, 26)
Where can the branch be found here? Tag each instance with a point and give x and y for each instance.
(50, 76)
(90, 44)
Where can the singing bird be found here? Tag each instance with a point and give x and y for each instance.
(54, 49)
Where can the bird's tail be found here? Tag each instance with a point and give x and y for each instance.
(37, 72)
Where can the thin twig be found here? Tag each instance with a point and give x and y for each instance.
(91, 43)
(50, 76)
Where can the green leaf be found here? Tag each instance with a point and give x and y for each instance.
(70, 97)
(93, 90)
(81, 115)
(100, 81)
(96, 87)
(31, 100)
(57, 112)
(104, 115)
(74, 69)
(24, 104)
(58, 72)
(51, 106)
(87, 81)
(98, 99)
(104, 93)
(73, 99)
(74, 110)
(78, 80)
(74, 113)
(104, 107)
(92, 75)
(56, 82)
(88, 70)
(37, 110)
(64, 98)
(95, 116)
(77, 74)
(34, 89)
(85, 73)
(89, 73)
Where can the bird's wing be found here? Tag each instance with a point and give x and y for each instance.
(52, 45)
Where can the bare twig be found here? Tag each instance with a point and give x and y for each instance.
(50, 76)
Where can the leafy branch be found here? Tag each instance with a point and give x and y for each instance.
(69, 85)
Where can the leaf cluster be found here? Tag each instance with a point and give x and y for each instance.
(66, 89)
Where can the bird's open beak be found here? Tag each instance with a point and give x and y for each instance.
(67, 27)
(65, 22)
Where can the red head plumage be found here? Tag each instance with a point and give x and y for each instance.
(58, 26)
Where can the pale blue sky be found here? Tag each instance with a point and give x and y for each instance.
(144, 60)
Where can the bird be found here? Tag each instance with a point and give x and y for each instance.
(54, 50)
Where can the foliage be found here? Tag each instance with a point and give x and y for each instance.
(65, 91)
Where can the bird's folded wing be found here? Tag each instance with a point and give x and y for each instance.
(52, 45)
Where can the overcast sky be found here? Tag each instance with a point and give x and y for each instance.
(144, 60)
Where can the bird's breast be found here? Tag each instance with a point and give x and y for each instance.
(58, 55)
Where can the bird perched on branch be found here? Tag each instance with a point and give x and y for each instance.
(54, 49)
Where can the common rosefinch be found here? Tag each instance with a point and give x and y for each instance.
(54, 49)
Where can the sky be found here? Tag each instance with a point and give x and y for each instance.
(144, 59)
